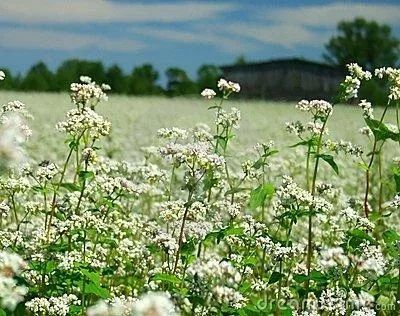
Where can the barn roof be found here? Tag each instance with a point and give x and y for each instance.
(284, 63)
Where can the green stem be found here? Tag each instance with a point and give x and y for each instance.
(313, 185)
(367, 172)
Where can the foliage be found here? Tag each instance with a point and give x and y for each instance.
(367, 43)
(179, 83)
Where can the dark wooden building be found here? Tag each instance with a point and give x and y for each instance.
(286, 79)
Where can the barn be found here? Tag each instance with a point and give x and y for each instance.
(286, 79)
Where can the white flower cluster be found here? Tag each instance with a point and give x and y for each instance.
(11, 293)
(394, 80)
(372, 259)
(226, 119)
(154, 303)
(289, 193)
(81, 120)
(333, 301)
(358, 221)
(15, 107)
(364, 311)
(208, 94)
(318, 108)
(172, 133)
(4, 209)
(200, 153)
(2, 75)
(117, 306)
(88, 93)
(228, 296)
(282, 253)
(343, 146)
(46, 171)
(296, 128)
(228, 86)
(395, 203)
(367, 108)
(53, 306)
(361, 299)
(317, 128)
(333, 258)
(212, 268)
(166, 242)
(352, 83)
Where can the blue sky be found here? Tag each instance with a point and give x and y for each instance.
(174, 33)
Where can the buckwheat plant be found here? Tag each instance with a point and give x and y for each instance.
(196, 227)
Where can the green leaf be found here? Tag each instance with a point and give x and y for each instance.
(259, 195)
(165, 277)
(318, 276)
(358, 236)
(233, 231)
(390, 236)
(258, 164)
(97, 290)
(85, 175)
(70, 187)
(329, 159)
(92, 276)
(2, 312)
(309, 143)
(275, 277)
(380, 130)
(300, 278)
(250, 261)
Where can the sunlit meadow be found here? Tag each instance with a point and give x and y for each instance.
(210, 205)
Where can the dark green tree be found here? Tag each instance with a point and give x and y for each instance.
(143, 81)
(240, 60)
(38, 78)
(368, 43)
(179, 83)
(117, 79)
(207, 76)
(10, 82)
(70, 71)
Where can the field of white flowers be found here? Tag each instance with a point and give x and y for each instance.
(208, 206)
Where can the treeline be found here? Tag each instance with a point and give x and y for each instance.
(143, 80)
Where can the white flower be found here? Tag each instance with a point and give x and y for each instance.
(2, 75)
(367, 108)
(153, 303)
(208, 93)
(228, 86)
(85, 79)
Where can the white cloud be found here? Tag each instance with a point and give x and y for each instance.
(328, 15)
(106, 11)
(286, 35)
(200, 36)
(310, 25)
(56, 40)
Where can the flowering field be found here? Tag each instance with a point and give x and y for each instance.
(203, 206)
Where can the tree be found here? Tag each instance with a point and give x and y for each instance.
(116, 79)
(70, 71)
(240, 60)
(143, 81)
(207, 76)
(10, 82)
(179, 82)
(368, 43)
(38, 78)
